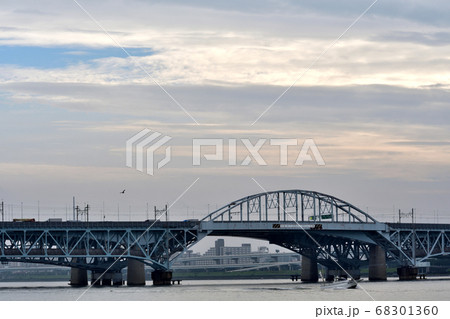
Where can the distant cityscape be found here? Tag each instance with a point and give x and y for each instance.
(224, 257)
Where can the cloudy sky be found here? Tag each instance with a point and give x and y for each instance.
(79, 79)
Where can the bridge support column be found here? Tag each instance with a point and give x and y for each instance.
(135, 273)
(161, 277)
(78, 277)
(407, 273)
(377, 264)
(117, 279)
(95, 278)
(107, 279)
(309, 269)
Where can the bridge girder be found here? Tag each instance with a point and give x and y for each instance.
(419, 242)
(95, 243)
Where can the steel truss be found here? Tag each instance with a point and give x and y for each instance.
(332, 252)
(290, 205)
(97, 245)
(411, 244)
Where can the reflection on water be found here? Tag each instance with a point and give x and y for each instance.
(264, 289)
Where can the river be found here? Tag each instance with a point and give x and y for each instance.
(435, 289)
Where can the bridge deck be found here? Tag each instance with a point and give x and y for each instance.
(193, 223)
(419, 226)
(98, 225)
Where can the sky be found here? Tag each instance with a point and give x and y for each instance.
(80, 78)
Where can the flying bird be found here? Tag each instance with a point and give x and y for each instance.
(122, 192)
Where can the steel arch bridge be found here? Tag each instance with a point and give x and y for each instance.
(317, 224)
(307, 222)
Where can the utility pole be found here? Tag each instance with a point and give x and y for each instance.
(84, 211)
(400, 214)
(87, 213)
(2, 208)
(73, 207)
(161, 212)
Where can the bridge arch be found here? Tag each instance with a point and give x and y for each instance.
(290, 205)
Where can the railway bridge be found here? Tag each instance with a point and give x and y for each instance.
(322, 228)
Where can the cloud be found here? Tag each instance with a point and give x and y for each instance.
(234, 44)
(375, 129)
(277, 62)
(422, 38)
(376, 103)
(243, 104)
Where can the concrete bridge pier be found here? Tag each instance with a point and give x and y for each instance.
(99, 278)
(107, 279)
(78, 276)
(161, 277)
(407, 273)
(309, 268)
(95, 278)
(377, 264)
(135, 273)
(117, 279)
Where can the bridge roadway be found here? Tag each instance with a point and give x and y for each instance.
(320, 227)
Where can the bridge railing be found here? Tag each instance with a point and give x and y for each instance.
(290, 205)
